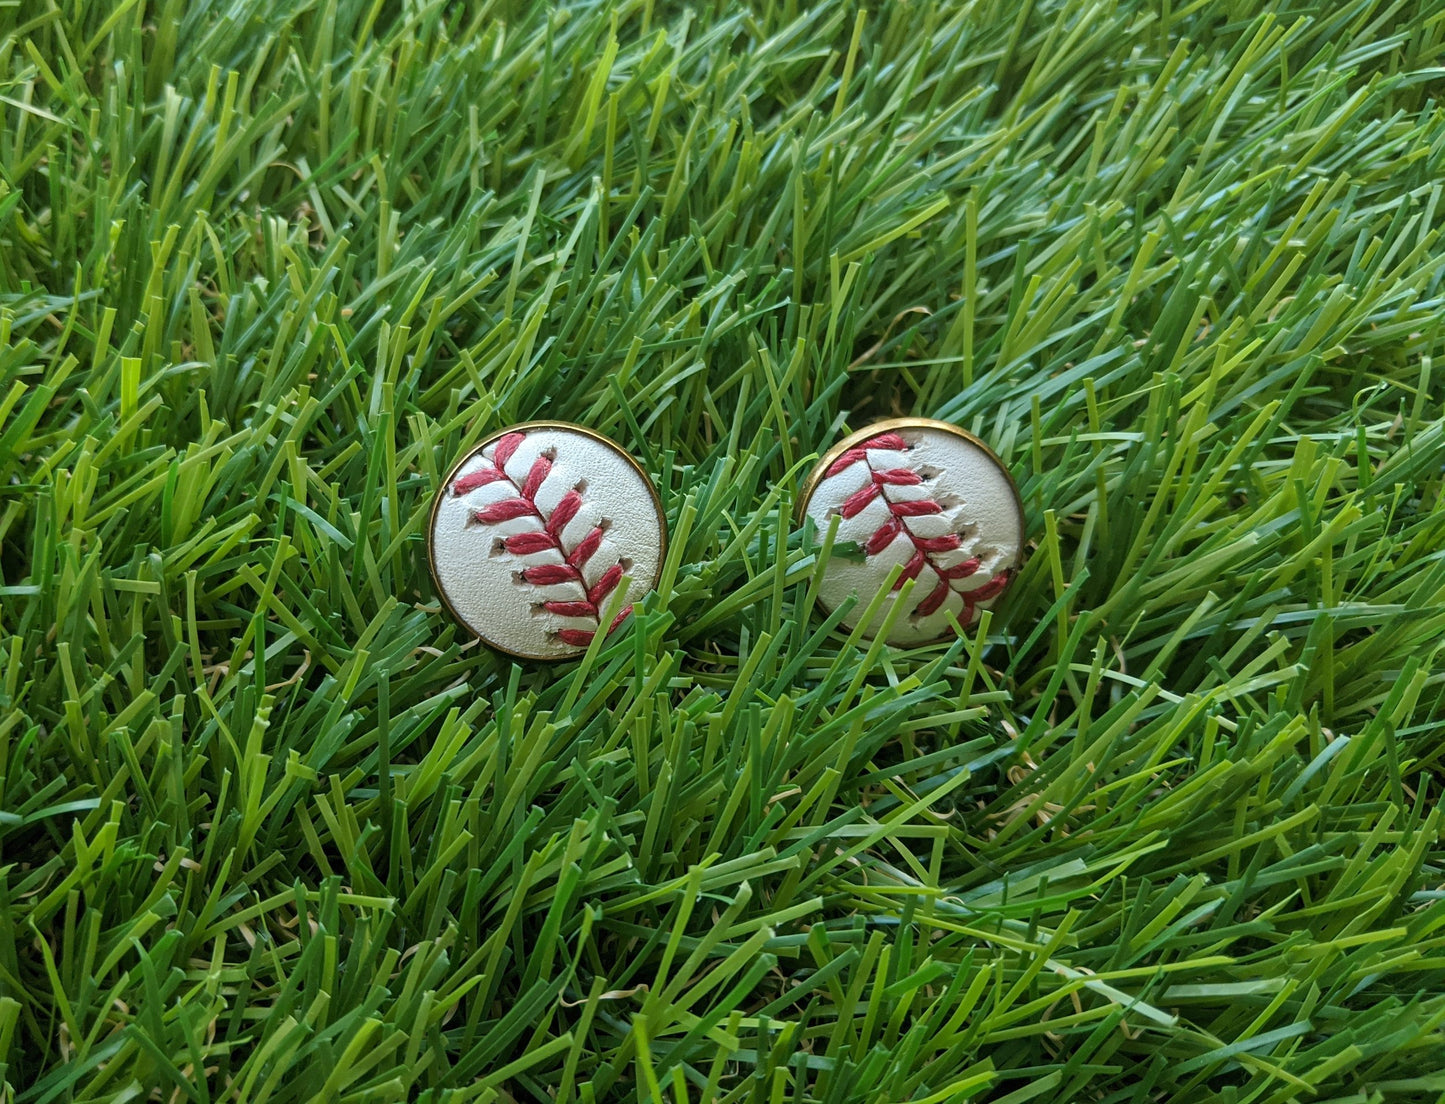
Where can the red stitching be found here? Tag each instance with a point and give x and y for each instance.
(924, 548)
(549, 538)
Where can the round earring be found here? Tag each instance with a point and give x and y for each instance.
(532, 533)
(929, 499)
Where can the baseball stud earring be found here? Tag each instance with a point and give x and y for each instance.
(930, 499)
(533, 532)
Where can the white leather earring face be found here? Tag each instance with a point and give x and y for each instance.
(925, 497)
(533, 532)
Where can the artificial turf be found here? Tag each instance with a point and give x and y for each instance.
(1164, 829)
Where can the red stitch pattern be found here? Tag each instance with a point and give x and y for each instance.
(925, 549)
(548, 538)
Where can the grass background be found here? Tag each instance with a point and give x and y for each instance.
(272, 830)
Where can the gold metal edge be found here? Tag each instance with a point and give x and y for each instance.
(887, 425)
(437, 499)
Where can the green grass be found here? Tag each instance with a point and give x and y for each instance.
(272, 829)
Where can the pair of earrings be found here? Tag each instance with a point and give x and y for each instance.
(536, 528)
